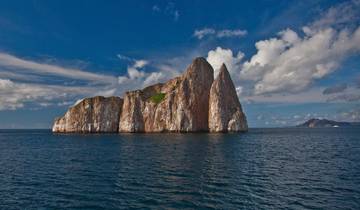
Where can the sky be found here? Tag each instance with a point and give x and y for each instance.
(289, 60)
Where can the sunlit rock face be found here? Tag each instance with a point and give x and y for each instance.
(183, 106)
(225, 112)
(91, 115)
(192, 102)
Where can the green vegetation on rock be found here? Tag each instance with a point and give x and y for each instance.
(157, 98)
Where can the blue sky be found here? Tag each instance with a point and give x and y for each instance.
(290, 60)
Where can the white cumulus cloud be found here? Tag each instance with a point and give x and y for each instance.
(219, 56)
(137, 77)
(292, 61)
(283, 66)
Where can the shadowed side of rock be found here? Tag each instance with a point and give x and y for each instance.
(225, 112)
(91, 115)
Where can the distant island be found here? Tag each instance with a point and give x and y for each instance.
(192, 102)
(323, 123)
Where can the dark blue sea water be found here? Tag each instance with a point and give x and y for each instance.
(263, 169)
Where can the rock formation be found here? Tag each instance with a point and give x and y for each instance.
(225, 112)
(179, 105)
(97, 114)
(183, 107)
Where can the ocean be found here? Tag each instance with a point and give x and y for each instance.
(275, 168)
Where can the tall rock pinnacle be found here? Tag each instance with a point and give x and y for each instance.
(225, 112)
(183, 106)
(194, 93)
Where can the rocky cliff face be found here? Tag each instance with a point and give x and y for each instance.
(225, 112)
(183, 106)
(179, 105)
(91, 115)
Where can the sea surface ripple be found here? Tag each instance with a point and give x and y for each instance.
(287, 168)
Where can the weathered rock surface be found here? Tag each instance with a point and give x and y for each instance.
(179, 105)
(225, 112)
(91, 115)
(184, 107)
